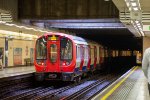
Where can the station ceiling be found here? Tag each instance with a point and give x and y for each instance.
(110, 32)
(92, 19)
(145, 5)
(142, 15)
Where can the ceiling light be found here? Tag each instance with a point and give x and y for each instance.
(138, 24)
(136, 21)
(128, 4)
(133, 4)
(135, 8)
(142, 33)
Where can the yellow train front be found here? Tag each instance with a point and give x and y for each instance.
(65, 57)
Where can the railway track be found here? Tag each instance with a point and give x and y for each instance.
(27, 91)
(52, 95)
(82, 94)
(8, 85)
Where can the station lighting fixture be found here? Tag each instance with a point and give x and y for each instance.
(134, 8)
(138, 26)
(133, 4)
(106, 0)
(24, 27)
(17, 35)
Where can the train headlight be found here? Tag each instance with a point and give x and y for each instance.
(65, 63)
(41, 62)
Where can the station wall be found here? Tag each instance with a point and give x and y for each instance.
(146, 43)
(18, 51)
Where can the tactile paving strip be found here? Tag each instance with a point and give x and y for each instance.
(123, 91)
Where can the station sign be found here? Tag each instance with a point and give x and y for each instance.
(146, 27)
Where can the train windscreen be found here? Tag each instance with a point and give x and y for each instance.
(41, 50)
(66, 49)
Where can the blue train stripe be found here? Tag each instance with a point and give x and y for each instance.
(84, 69)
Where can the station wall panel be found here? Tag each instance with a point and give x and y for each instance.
(14, 47)
(2, 42)
(146, 43)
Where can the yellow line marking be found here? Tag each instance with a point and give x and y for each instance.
(116, 86)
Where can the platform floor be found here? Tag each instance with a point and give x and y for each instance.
(7, 72)
(131, 86)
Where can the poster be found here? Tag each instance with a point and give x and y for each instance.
(17, 56)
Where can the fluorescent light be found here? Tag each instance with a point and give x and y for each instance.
(138, 24)
(132, 22)
(128, 4)
(133, 4)
(142, 33)
(2, 22)
(136, 21)
(140, 29)
(135, 8)
(16, 34)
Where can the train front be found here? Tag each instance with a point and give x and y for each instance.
(54, 58)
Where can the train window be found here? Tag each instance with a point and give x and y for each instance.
(78, 52)
(82, 52)
(66, 49)
(41, 49)
(53, 52)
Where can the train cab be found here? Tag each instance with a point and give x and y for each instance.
(53, 57)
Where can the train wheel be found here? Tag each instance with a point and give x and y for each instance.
(77, 79)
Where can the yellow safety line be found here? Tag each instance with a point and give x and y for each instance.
(116, 86)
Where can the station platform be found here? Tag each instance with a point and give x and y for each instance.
(7, 72)
(131, 86)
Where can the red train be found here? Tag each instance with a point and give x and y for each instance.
(65, 57)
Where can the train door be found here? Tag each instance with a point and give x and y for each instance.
(100, 55)
(53, 48)
(86, 58)
(82, 56)
(89, 57)
(95, 56)
(78, 59)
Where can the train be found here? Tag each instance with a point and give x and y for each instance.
(65, 57)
